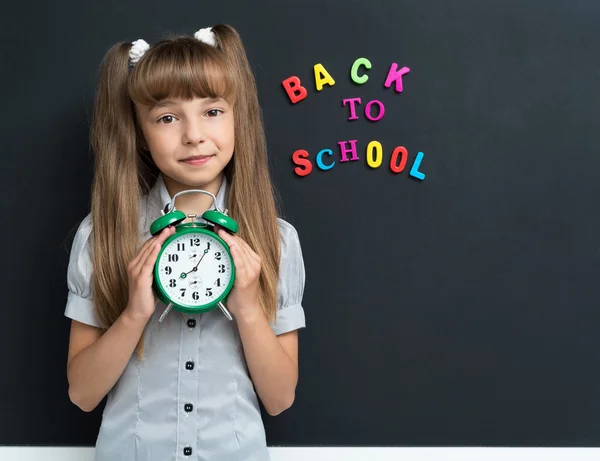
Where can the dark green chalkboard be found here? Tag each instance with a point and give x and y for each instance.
(458, 309)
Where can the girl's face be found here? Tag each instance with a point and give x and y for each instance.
(191, 141)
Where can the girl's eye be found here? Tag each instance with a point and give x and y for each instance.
(166, 119)
(214, 112)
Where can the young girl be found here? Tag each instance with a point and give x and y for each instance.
(182, 114)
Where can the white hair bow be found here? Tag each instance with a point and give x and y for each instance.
(137, 51)
(207, 36)
(140, 46)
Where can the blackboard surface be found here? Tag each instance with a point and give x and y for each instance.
(460, 309)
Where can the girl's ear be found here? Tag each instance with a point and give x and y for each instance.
(141, 141)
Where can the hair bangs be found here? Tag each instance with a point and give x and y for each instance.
(182, 68)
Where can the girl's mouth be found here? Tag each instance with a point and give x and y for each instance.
(197, 160)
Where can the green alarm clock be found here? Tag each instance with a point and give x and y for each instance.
(194, 270)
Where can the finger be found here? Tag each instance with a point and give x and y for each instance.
(239, 259)
(245, 251)
(141, 255)
(247, 257)
(142, 250)
(254, 260)
(249, 252)
(251, 259)
(148, 247)
(226, 236)
(252, 256)
(149, 262)
(230, 239)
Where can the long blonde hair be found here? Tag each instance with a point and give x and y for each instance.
(179, 67)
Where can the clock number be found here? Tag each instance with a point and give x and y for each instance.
(181, 247)
(218, 282)
(221, 268)
(168, 270)
(195, 296)
(207, 246)
(172, 283)
(182, 292)
(218, 255)
(195, 242)
(173, 258)
(209, 292)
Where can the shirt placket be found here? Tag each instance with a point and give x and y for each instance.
(188, 388)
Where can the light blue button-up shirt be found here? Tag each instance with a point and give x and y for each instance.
(191, 396)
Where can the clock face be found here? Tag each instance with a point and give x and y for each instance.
(194, 269)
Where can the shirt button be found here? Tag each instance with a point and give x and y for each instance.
(191, 323)
(187, 451)
(189, 365)
(188, 407)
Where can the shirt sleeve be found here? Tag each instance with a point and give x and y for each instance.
(79, 296)
(290, 313)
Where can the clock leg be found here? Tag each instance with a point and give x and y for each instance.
(225, 311)
(164, 314)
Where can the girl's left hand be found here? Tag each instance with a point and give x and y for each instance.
(243, 298)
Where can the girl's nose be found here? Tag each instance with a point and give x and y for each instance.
(193, 133)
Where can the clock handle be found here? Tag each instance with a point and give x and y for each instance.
(225, 311)
(171, 206)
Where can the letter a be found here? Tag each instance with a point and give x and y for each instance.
(322, 77)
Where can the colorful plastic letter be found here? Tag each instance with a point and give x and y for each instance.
(322, 77)
(300, 158)
(394, 160)
(319, 159)
(414, 171)
(368, 110)
(344, 150)
(377, 162)
(395, 75)
(352, 102)
(294, 90)
(353, 72)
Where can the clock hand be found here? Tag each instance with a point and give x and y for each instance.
(195, 268)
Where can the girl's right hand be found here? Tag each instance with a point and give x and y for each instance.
(140, 272)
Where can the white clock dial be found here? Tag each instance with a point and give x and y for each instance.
(194, 269)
